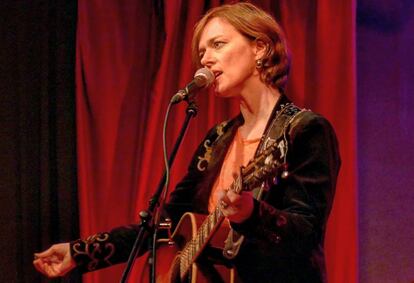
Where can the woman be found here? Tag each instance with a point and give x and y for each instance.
(283, 223)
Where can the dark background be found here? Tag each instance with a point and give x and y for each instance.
(385, 37)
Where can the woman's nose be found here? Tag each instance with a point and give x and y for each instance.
(207, 60)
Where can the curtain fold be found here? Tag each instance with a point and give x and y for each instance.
(121, 105)
(118, 54)
(38, 192)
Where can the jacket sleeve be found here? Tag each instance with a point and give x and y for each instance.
(104, 249)
(108, 248)
(294, 214)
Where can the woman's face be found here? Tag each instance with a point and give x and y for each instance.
(230, 56)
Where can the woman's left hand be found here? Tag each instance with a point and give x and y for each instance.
(236, 207)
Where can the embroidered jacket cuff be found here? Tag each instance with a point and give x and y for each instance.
(93, 253)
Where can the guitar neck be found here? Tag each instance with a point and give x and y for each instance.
(194, 247)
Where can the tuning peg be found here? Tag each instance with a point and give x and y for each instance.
(269, 160)
(285, 172)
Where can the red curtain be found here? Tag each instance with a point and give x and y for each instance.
(121, 105)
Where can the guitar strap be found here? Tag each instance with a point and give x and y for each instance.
(277, 132)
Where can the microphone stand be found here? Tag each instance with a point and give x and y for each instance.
(146, 216)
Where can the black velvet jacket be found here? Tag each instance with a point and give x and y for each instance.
(284, 235)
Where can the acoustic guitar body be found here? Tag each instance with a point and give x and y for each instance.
(169, 256)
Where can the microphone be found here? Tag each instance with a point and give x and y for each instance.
(202, 78)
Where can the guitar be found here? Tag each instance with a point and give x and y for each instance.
(178, 258)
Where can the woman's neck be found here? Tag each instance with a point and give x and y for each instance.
(256, 108)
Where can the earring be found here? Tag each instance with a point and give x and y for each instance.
(259, 63)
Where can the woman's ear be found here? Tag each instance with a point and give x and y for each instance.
(260, 48)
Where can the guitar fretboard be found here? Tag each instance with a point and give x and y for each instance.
(193, 248)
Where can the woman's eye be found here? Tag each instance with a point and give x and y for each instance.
(218, 44)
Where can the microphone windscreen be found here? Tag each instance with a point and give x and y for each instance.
(203, 77)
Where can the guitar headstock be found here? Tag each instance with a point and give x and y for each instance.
(263, 168)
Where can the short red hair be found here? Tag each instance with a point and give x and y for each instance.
(254, 24)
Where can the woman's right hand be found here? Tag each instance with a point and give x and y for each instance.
(55, 261)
